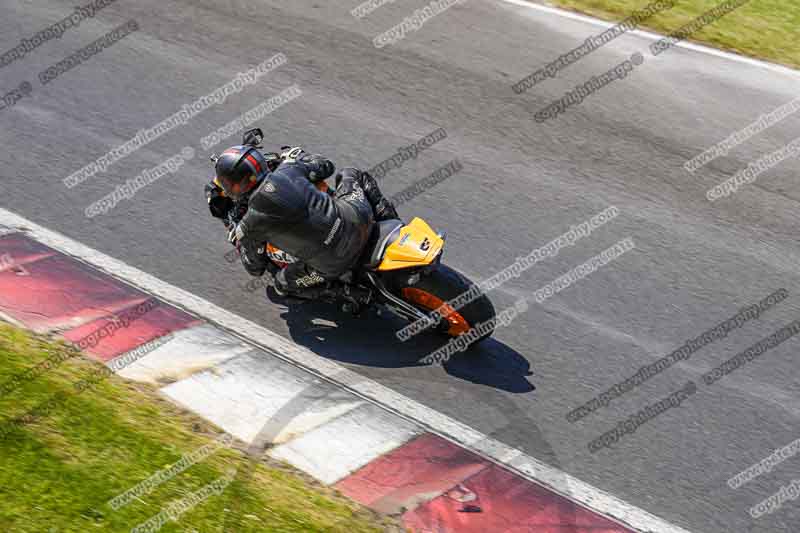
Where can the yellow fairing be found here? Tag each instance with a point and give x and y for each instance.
(417, 245)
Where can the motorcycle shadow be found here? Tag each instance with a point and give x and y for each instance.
(369, 340)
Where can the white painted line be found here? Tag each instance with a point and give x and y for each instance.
(655, 36)
(244, 394)
(339, 448)
(528, 467)
(188, 351)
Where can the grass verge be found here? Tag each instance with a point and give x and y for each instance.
(762, 29)
(58, 471)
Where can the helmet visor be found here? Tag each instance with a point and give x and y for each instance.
(235, 190)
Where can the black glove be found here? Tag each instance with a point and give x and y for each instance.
(218, 203)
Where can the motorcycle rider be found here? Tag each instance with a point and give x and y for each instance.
(280, 204)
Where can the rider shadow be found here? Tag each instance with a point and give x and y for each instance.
(370, 340)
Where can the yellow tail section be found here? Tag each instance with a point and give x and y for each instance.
(417, 245)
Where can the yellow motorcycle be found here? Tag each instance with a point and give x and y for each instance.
(401, 271)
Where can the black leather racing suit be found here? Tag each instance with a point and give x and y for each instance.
(326, 233)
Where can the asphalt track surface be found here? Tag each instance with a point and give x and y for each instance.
(696, 263)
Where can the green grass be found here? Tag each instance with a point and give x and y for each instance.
(763, 29)
(58, 472)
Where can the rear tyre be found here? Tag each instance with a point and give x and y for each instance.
(445, 284)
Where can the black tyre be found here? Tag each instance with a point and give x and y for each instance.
(443, 285)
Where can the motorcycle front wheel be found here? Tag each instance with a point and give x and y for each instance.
(444, 284)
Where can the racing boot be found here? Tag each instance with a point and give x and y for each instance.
(383, 208)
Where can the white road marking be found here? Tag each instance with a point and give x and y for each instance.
(244, 394)
(526, 466)
(336, 449)
(189, 351)
(655, 36)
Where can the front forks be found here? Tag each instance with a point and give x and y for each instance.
(396, 305)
